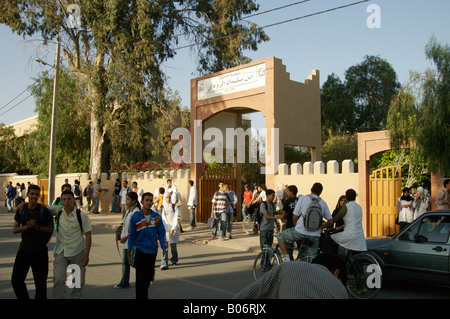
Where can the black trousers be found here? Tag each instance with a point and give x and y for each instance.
(145, 269)
(38, 261)
(329, 246)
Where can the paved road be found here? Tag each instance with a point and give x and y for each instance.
(204, 271)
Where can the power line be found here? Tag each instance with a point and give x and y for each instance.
(276, 23)
(26, 89)
(178, 35)
(230, 35)
(15, 105)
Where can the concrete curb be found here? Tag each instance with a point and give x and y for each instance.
(201, 235)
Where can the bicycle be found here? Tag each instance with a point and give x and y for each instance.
(251, 226)
(364, 271)
(364, 274)
(270, 256)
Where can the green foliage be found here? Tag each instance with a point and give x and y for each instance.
(361, 103)
(414, 171)
(421, 116)
(340, 148)
(9, 150)
(119, 51)
(296, 154)
(372, 84)
(337, 106)
(72, 128)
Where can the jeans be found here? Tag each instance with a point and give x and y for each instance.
(222, 219)
(229, 225)
(116, 204)
(244, 211)
(145, 268)
(173, 258)
(291, 235)
(10, 203)
(192, 217)
(125, 281)
(266, 239)
(96, 204)
(38, 261)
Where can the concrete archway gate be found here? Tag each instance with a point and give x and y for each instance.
(291, 110)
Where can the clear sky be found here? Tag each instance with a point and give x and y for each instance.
(330, 42)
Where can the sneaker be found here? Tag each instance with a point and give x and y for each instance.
(120, 287)
(164, 268)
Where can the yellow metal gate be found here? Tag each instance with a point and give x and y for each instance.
(209, 184)
(384, 191)
(43, 184)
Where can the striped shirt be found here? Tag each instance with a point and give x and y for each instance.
(220, 202)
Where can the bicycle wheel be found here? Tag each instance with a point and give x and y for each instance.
(248, 225)
(364, 276)
(265, 261)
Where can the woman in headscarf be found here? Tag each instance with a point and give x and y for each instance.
(406, 212)
(421, 202)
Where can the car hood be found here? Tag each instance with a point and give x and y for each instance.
(378, 243)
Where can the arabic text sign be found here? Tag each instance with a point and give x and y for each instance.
(237, 81)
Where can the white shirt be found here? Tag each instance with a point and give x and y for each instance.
(96, 188)
(170, 221)
(126, 225)
(192, 200)
(263, 195)
(123, 192)
(300, 211)
(139, 192)
(69, 238)
(352, 237)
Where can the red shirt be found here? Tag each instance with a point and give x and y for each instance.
(248, 195)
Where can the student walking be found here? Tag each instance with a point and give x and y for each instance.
(192, 205)
(231, 210)
(115, 208)
(133, 207)
(170, 221)
(73, 246)
(123, 200)
(35, 224)
(146, 229)
(219, 211)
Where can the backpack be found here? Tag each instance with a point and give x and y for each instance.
(259, 215)
(42, 221)
(312, 220)
(78, 217)
(77, 191)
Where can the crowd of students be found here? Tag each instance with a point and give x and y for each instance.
(151, 222)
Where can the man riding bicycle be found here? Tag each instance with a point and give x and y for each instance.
(299, 232)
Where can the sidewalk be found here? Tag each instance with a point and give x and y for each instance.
(201, 235)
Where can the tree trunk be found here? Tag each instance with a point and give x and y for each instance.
(97, 145)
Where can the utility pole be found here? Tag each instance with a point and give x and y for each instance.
(52, 159)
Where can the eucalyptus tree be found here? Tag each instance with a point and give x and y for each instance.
(117, 48)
